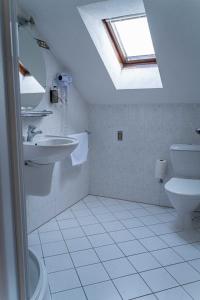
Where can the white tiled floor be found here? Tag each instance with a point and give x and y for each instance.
(107, 249)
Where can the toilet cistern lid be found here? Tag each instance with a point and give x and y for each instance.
(185, 147)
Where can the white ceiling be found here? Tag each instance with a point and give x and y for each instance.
(175, 31)
(140, 77)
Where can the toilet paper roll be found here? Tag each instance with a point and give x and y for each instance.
(160, 169)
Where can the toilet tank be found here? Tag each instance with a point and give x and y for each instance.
(185, 160)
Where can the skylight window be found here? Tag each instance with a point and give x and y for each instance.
(132, 39)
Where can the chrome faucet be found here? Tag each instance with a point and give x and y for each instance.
(31, 133)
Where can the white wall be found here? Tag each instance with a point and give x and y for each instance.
(174, 27)
(125, 169)
(142, 77)
(68, 184)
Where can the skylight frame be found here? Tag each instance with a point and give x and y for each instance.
(118, 45)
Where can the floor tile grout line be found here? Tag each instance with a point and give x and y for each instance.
(60, 213)
(188, 261)
(121, 276)
(183, 257)
(167, 246)
(132, 235)
(105, 206)
(157, 260)
(165, 289)
(150, 213)
(109, 236)
(154, 293)
(106, 271)
(129, 201)
(141, 226)
(109, 274)
(74, 267)
(121, 229)
(164, 267)
(72, 289)
(185, 262)
(127, 257)
(187, 291)
(109, 277)
(114, 242)
(176, 279)
(136, 298)
(191, 242)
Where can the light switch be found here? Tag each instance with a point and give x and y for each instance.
(120, 135)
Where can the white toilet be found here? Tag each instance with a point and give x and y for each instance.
(184, 189)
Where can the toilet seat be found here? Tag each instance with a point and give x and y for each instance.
(184, 187)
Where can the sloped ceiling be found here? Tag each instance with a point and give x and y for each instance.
(175, 31)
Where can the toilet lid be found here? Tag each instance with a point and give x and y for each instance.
(187, 187)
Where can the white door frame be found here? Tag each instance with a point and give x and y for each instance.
(13, 235)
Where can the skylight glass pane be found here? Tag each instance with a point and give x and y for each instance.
(134, 36)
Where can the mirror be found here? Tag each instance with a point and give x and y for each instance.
(32, 71)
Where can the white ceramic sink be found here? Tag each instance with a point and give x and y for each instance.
(49, 149)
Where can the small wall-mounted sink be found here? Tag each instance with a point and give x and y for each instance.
(49, 149)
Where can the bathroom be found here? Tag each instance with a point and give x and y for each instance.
(100, 151)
